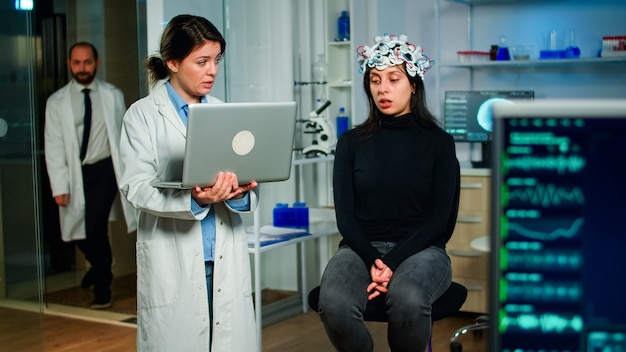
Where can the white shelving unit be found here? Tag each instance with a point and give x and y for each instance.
(340, 60)
(321, 225)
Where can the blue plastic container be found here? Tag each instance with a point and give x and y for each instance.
(551, 54)
(296, 216)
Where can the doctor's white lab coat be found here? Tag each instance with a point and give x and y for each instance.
(172, 299)
(62, 149)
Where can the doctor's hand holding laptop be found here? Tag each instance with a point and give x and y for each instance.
(225, 187)
(232, 147)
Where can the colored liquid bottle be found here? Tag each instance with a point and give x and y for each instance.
(343, 27)
(343, 121)
(572, 51)
(503, 51)
(493, 52)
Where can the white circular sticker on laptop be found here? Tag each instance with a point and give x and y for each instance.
(243, 142)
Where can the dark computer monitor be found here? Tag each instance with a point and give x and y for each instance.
(468, 116)
(558, 244)
(467, 113)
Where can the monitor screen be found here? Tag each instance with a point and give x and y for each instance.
(558, 227)
(467, 113)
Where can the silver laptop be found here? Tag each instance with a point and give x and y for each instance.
(253, 140)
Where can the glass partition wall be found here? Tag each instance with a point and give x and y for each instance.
(35, 264)
(21, 260)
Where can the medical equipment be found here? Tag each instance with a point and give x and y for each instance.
(324, 139)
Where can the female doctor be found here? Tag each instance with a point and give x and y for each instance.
(193, 276)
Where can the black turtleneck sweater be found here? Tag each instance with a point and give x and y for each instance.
(399, 184)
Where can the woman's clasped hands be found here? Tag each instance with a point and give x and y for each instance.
(381, 274)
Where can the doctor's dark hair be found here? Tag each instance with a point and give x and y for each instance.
(418, 106)
(180, 37)
(84, 45)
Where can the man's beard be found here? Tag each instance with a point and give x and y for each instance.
(84, 77)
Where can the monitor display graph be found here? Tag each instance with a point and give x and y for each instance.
(559, 226)
(468, 113)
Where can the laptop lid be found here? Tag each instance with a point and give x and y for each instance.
(558, 226)
(253, 140)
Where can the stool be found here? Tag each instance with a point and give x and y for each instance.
(447, 305)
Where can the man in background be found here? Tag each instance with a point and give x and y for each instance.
(81, 137)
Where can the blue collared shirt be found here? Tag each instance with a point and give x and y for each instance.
(208, 223)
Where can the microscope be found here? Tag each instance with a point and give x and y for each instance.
(324, 138)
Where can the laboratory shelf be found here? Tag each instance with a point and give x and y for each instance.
(536, 63)
(316, 230)
(495, 2)
(339, 43)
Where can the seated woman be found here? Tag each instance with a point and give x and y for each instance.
(396, 183)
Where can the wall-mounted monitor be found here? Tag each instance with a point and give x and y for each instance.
(467, 113)
(558, 228)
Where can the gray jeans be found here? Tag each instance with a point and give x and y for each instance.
(414, 286)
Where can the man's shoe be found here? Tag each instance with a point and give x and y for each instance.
(88, 280)
(101, 303)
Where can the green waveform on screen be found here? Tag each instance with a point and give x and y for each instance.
(548, 195)
(559, 163)
(548, 236)
(545, 323)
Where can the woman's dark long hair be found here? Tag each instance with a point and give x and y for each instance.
(418, 106)
(182, 34)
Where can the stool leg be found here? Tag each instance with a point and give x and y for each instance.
(430, 343)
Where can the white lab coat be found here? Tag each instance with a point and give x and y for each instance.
(62, 149)
(172, 299)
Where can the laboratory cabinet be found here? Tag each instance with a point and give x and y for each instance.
(469, 262)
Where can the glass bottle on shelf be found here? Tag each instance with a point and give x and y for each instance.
(319, 78)
(493, 52)
(343, 27)
(319, 69)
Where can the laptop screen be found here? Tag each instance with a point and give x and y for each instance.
(558, 239)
